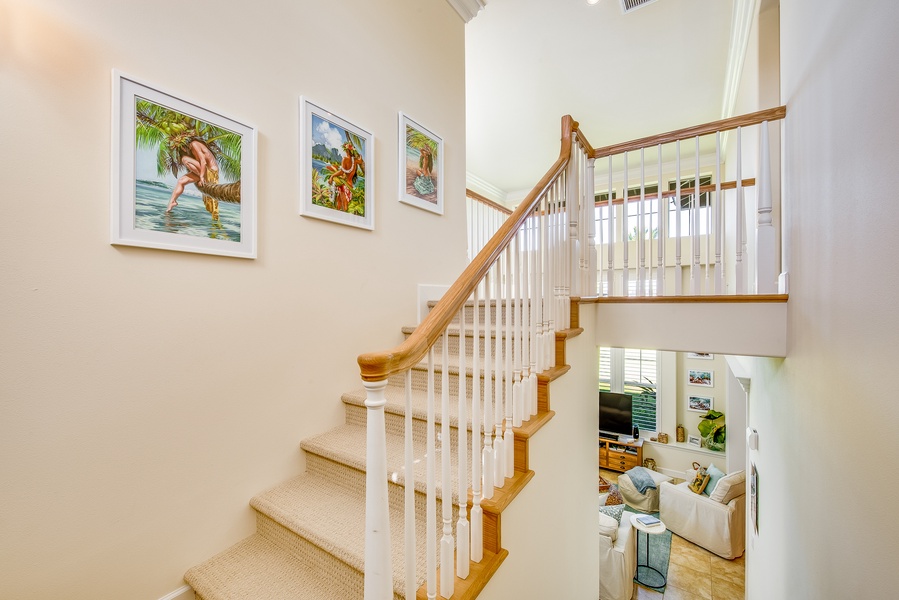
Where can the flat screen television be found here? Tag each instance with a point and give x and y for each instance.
(616, 414)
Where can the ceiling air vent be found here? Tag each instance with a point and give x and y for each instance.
(632, 5)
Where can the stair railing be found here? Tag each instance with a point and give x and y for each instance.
(683, 248)
(484, 216)
(508, 302)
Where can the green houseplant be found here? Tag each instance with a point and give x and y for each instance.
(713, 430)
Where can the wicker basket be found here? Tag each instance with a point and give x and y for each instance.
(663, 438)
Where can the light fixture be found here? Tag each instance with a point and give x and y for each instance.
(591, 2)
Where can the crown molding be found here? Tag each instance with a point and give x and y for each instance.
(485, 188)
(741, 25)
(467, 9)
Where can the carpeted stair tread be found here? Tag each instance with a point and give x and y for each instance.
(256, 569)
(346, 445)
(396, 404)
(332, 517)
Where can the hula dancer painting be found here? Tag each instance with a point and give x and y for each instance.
(338, 168)
(421, 166)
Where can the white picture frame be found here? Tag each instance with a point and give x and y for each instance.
(161, 146)
(694, 440)
(420, 162)
(701, 355)
(702, 404)
(335, 188)
(701, 377)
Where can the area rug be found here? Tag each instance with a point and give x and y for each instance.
(659, 553)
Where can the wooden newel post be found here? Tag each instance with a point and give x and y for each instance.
(378, 567)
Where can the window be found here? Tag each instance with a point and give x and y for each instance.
(686, 220)
(634, 372)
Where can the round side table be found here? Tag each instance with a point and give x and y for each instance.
(656, 579)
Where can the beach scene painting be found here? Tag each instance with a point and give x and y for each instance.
(703, 378)
(336, 168)
(182, 175)
(421, 166)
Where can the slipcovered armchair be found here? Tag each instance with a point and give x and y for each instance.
(716, 522)
(617, 560)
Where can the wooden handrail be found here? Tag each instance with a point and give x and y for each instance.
(756, 298)
(488, 202)
(771, 114)
(377, 366)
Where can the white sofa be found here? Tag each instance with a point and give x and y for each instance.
(618, 562)
(716, 522)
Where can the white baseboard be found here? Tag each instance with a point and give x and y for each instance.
(185, 592)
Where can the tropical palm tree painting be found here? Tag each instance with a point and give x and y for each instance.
(422, 160)
(338, 168)
(187, 174)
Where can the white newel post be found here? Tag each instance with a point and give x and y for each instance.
(590, 212)
(766, 263)
(378, 568)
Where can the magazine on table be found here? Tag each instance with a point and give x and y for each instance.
(648, 520)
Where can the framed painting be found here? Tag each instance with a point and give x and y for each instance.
(699, 377)
(336, 168)
(700, 355)
(700, 404)
(183, 175)
(421, 166)
(694, 440)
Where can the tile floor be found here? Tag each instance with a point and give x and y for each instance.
(695, 573)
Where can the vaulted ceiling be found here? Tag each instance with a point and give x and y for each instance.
(621, 76)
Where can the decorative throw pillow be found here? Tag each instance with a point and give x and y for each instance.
(730, 487)
(608, 526)
(715, 475)
(700, 480)
(614, 497)
(613, 511)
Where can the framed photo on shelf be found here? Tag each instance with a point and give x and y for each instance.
(183, 175)
(700, 355)
(421, 166)
(694, 441)
(701, 378)
(336, 168)
(700, 404)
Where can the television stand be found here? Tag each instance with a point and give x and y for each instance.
(620, 456)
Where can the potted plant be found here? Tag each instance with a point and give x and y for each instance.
(713, 430)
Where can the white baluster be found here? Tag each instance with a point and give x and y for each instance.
(462, 529)
(517, 390)
(409, 490)
(640, 237)
(431, 498)
(663, 232)
(488, 391)
(508, 445)
(477, 513)
(378, 568)
(525, 323)
(719, 219)
(766, 261)
(678, 267)
(591, 282)
(534, 299)
(499, 457)
(625, 250)
(741, 216)
(695, 274)
(447, 546)
(610, 273)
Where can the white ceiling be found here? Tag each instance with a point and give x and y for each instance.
(529, 62)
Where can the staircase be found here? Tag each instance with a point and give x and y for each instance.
(310, 531)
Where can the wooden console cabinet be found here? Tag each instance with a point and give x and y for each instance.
(620, 456)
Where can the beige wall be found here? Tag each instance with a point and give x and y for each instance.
(822, 428)
(146, 396)
(549, 530)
